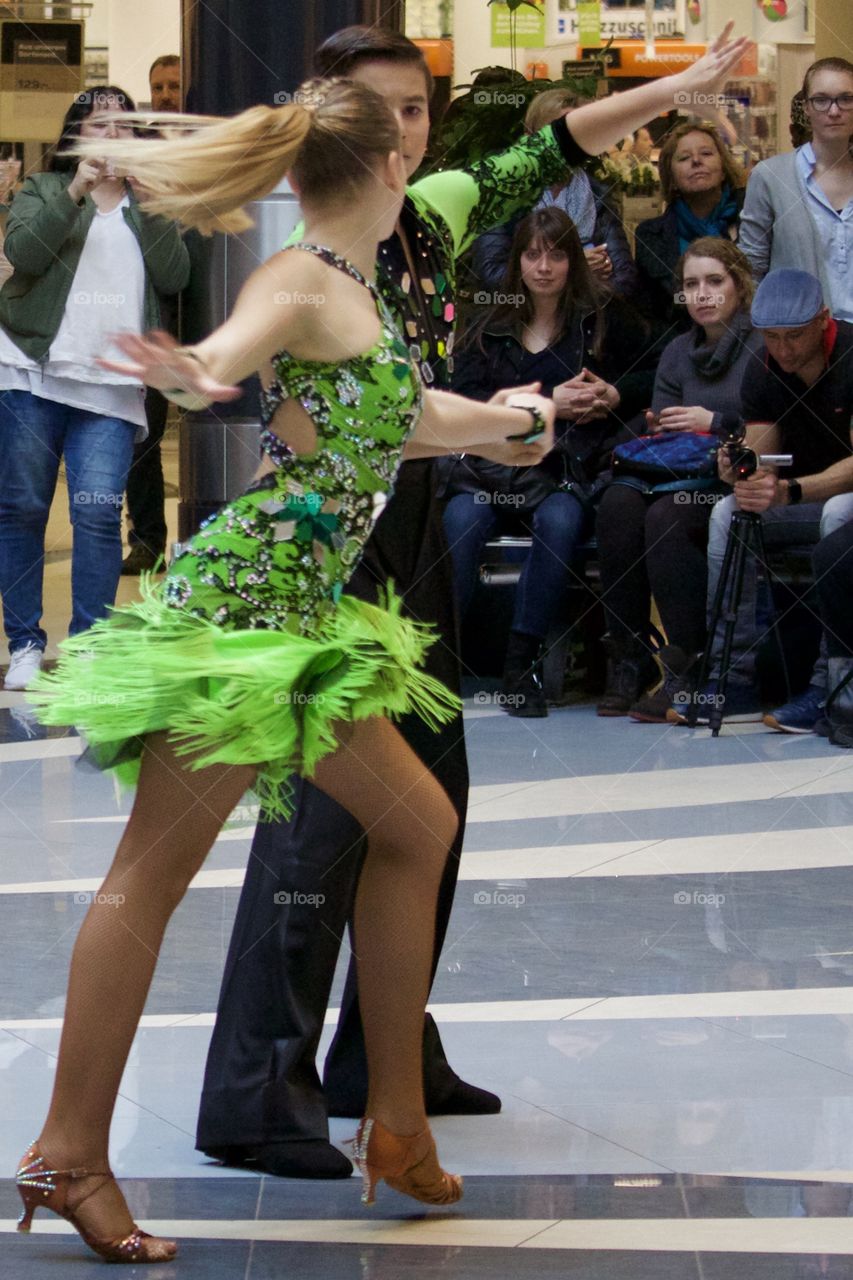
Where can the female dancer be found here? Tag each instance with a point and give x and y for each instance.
(245, 665)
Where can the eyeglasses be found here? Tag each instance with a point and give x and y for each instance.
(821, 102)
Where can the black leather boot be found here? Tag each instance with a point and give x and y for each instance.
(678, 672)
(521, 692)
(630, 671)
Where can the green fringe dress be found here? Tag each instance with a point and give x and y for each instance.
(247, 652)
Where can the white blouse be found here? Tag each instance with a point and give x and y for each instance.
(107, 296)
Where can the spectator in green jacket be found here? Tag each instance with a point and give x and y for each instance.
(86, 263)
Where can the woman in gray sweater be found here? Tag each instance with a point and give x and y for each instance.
(653, 543)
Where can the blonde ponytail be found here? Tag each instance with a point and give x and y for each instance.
(203, 177)
(208, 167)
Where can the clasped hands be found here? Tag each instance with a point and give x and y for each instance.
(585, 398)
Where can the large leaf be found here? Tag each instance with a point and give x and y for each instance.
(512, 5)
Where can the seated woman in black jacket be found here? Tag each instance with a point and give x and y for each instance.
(702, 189)
(554, 326)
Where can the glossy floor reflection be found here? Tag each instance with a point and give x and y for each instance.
(650, 960)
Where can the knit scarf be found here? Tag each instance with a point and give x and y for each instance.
(714, 359)
(717, 222)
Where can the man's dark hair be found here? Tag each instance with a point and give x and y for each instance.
(165, 60)
(81, 108)
(351, 46)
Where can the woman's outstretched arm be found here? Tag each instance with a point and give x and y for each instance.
(264, 320)
(451, 423)
(598, 125)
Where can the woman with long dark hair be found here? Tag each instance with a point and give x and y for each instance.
(554, 326)
(87, 262)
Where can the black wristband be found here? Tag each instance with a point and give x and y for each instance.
(795, 491)
(538, 428)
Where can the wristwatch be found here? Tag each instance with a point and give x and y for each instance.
(795, 491)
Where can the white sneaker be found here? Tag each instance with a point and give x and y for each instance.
(23, 665)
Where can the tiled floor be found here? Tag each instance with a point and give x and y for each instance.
(650, 959)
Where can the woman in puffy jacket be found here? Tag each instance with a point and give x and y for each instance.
(86, 263)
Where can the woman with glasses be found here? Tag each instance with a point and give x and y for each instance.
(798, 210)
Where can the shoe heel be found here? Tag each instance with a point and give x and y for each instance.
(369, 1178)
(26, 1218)
(368, 1183)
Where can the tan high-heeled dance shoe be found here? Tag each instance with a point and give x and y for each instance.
(43, 1187)
(409, 1165)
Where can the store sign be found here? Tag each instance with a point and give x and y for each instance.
(618, 22)
(40, 56)
(41, 68)
(631, 59)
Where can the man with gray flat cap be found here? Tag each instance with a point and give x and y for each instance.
(797, 399)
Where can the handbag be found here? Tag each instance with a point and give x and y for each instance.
(667, 460)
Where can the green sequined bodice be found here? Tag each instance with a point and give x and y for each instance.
(281, 553)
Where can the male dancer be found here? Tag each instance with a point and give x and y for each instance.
(262, 1104)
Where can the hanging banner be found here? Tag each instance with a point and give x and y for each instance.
(589, 24)
(529, 23)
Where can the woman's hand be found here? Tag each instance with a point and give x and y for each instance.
(89, 174)
(676, 417)
(158, 360)
(709, 73)
(585, 398)
(137, 188)
(598, 261)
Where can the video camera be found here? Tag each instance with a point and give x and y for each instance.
(745, 462)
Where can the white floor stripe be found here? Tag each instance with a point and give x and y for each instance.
(660, 789)
(654, 1235)
(798, 1003)
(39, 749)
(781, 850)
(597, 793)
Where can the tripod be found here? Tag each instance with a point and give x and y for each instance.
(746, 537)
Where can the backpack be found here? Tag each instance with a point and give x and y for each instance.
(667, 460)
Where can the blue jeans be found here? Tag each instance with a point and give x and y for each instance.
(557, 526)
(783, 526)
(34, 435)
